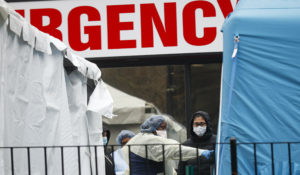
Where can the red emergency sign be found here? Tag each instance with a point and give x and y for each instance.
(138, 28)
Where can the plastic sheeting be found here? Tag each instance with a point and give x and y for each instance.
(132, 111)
(261, 87)
(43, 105)
(129, 109)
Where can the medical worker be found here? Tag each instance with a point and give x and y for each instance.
(201, 137)
(160, 150)
(120, 165)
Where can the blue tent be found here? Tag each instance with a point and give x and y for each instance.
(260, 96)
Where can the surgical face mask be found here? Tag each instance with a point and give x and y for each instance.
(199, 130)
(162, 133)
(104, 140)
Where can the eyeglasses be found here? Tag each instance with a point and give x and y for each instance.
(199, 124)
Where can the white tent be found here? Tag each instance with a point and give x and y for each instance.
(42, 104)
(127, 108)
(132, 111)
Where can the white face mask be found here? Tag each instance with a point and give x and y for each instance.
(199, 130)
(162, 133)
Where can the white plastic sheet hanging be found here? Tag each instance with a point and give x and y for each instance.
(41, 105)
(106, 106)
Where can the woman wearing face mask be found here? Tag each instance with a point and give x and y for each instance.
(201, 137)
(108, 159)
(159, 148)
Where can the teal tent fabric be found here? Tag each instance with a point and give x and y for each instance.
(260, 96)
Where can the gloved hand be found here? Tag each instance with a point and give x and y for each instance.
(207, 153)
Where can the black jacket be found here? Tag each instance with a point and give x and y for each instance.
(200, 165)
(109, 166)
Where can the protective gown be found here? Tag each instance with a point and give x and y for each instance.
(156, 146)
(120, 164)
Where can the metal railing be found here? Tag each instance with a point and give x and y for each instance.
(26, 157)
(267, 154)
(29, 155)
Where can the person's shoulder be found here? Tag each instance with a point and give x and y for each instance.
(160, 140)
(188, 142)
(118, 151)
(213, 138)
(145, 138)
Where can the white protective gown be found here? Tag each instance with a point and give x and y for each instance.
(156, 145)
(120, 164)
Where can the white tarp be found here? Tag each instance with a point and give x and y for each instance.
(43, 105)
(132, 111)
(129, 109)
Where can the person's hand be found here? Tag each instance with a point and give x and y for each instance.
(207, 153)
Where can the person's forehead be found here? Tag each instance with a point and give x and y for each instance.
(164, 123)
(199, 119)
(125, 139)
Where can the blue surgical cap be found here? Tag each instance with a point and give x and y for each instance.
(124, 134)
(152, 123)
